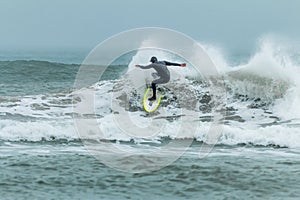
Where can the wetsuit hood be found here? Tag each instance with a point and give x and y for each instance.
(153, 59)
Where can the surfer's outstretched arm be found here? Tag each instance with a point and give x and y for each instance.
(174, 64)
(145, 67)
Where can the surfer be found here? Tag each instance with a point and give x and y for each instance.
(162, 71)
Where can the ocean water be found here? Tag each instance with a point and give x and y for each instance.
(256, 155)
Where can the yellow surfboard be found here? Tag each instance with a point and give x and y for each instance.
(151, 106)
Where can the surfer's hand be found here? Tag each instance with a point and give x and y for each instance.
(183, 65)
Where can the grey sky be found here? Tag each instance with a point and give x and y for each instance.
(85, 23)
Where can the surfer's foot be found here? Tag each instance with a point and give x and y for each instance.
(152, 99)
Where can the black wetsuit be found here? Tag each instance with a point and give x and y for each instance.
(162, 71)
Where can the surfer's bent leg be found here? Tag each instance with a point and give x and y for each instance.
(153, 86)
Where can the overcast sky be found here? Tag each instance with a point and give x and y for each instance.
(85, 23)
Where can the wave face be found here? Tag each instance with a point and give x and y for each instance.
(22, 77)
(262, 103)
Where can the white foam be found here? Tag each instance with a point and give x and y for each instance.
(272, 135)
(12, 130)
